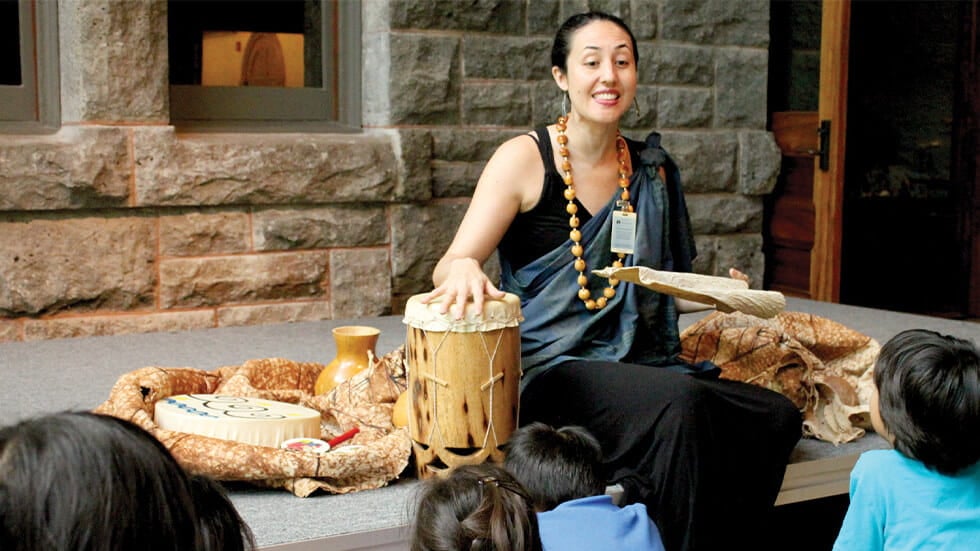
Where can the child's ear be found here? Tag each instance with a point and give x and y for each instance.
(876, 421)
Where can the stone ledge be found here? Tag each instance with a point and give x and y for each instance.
(264, 314)
(261, 169)
(116, 324)
(76, 167)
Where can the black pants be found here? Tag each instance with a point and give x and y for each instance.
(706, 456)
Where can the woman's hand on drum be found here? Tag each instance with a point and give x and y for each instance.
(464, 280)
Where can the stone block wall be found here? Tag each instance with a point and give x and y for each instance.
(119, 222)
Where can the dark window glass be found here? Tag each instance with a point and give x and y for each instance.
(10, 73)
(270, 65)
(246, 43)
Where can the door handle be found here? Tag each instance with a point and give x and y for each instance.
(823, 139)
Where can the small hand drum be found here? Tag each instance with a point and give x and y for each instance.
(463, 382)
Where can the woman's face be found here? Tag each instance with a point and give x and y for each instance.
(601, 76)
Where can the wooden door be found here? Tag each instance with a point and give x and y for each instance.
(804, 213)
(803, 242)
(789, 210)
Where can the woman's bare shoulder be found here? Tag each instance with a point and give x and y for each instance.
(523, 147)
(516, 165)
(514, 157)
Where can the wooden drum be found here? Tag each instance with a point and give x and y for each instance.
(463, 379)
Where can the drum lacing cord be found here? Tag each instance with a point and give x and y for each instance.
(492, 380)
(486, 385)
(433, 351)
(435, 379)
(490, 383)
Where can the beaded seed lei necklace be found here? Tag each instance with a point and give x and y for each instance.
(573, 222)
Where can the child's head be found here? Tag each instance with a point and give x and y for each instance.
(81, 481)
(555, 465)
(929, 398)
(220, 524)
(475, 508)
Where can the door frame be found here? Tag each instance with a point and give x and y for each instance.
(828, 185)
(966, 157)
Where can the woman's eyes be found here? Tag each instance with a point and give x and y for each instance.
(618, 62)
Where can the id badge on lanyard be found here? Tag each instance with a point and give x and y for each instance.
(623, 229)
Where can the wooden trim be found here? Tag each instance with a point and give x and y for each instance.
(828, 186)
(397, 538)
(816, 479)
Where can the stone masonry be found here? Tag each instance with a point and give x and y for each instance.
(119, 222)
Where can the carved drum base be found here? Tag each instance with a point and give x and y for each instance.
(431, 461)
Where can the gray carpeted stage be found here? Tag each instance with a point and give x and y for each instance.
(48, 376)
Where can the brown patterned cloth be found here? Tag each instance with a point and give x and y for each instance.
(375, 456)
(824, 367)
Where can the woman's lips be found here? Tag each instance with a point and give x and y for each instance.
(606, 98)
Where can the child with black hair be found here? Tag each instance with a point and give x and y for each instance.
(79, 481)
(220, 524)
(475, 508)
(562, 472)
(924, 494)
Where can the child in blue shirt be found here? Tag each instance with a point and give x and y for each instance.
(925, 493)
(561, 469)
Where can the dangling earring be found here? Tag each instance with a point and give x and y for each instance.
(564, 103)
(637, 107)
